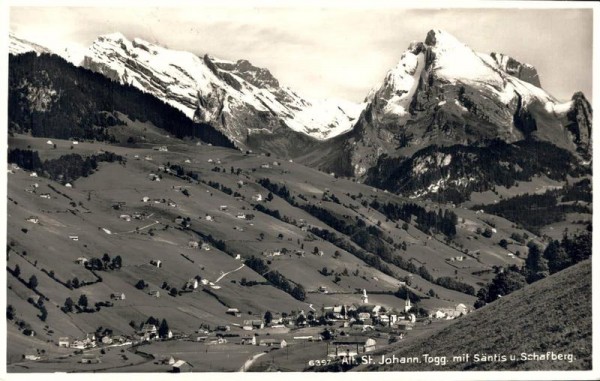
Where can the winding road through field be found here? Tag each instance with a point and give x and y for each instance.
(229, 272)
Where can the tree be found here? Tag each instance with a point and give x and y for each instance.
(269, 197)
(83, 301)
(140, 285)
(536, 266)
(268, 317)
(163, 329)
(117, 262)
(173, 291)
(299, 293)
(68, 307)
(300, 320)
(10, 312)
(17, 271)
(33, 282)
(503, 244)
(105, 259)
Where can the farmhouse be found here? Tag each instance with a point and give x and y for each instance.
(63, 342)
(234, 312)
(275, 343)
(81, 260)
(248, 340)
(145, 199)
(78, 344)
(155, 293)
(241, 216)
(181, 366)
(149, 332)
(46, 196)
(33, 219)
(223, 207)
(125, 217)
(156, 262)
(32, 356)
(205, 246)
(74, 237)
(257, 198)
(118, 296)
(350, 346)
(193, 244)
(208, 217)
(33, 174)
(68, 185)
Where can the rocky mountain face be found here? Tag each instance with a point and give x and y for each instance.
(444, 94)
(18, 45)
(238, 98)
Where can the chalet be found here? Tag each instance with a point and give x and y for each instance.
(248, 340)
(161, 148)
(265, 166)
(155, 293)
(223, 207)
(81, 260)
(33, 219)
(241, 216)
(350, 346)
(253, 324)
(273, 343)
(193, 244)
(74, 238)
(257, 198)
(145, 199)
(234, 312)
(33, 174)
(49, 142)
(118, 296)
(187, 161)
(172, 204)
(208, 218)
(461, 309)
(68, 185)
(211, 161)
(224, 328)
(75, 142)
(181, 366)
(156, 263)
(148, 158)
(63, 342)
(149, 332)
(205, 246)
(107, 340)
(46, 196)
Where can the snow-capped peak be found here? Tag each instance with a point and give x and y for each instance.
(17, 45)
(237, 97)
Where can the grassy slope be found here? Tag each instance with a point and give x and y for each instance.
(554, 314)
(47, 243)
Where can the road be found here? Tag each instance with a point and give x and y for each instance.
(250, 361)
(229, 272)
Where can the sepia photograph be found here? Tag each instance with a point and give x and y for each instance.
(275, 187)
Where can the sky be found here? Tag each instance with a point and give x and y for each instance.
(331, 52)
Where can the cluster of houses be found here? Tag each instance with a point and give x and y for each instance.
(451, 312)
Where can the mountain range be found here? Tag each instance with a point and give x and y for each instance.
(437, 110)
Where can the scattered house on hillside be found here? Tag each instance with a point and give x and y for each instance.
(257, 198)
(118, 296)
(187, 161)
(33, 174)
(155, 293)
(49, 142)
(125, 217)
(161, 148)
(90, 358)
(234, 312)
(241, 216)
(64, 342)
(145, 199)
(181, 366)
(153, 177)
(205, 246)
(461, 309)
(208, 217)
(350, 346)
(172, 204)
(74, 237)
(107, 340)
(46, 196)
(224, 328)
(223, 207)
(211, 161)
(156, 263)
(33, 219)
(193, 244)
(32, 356)
(68, 185)
(75, 142)
(81, 260)
(148, 157)
(276, 343)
